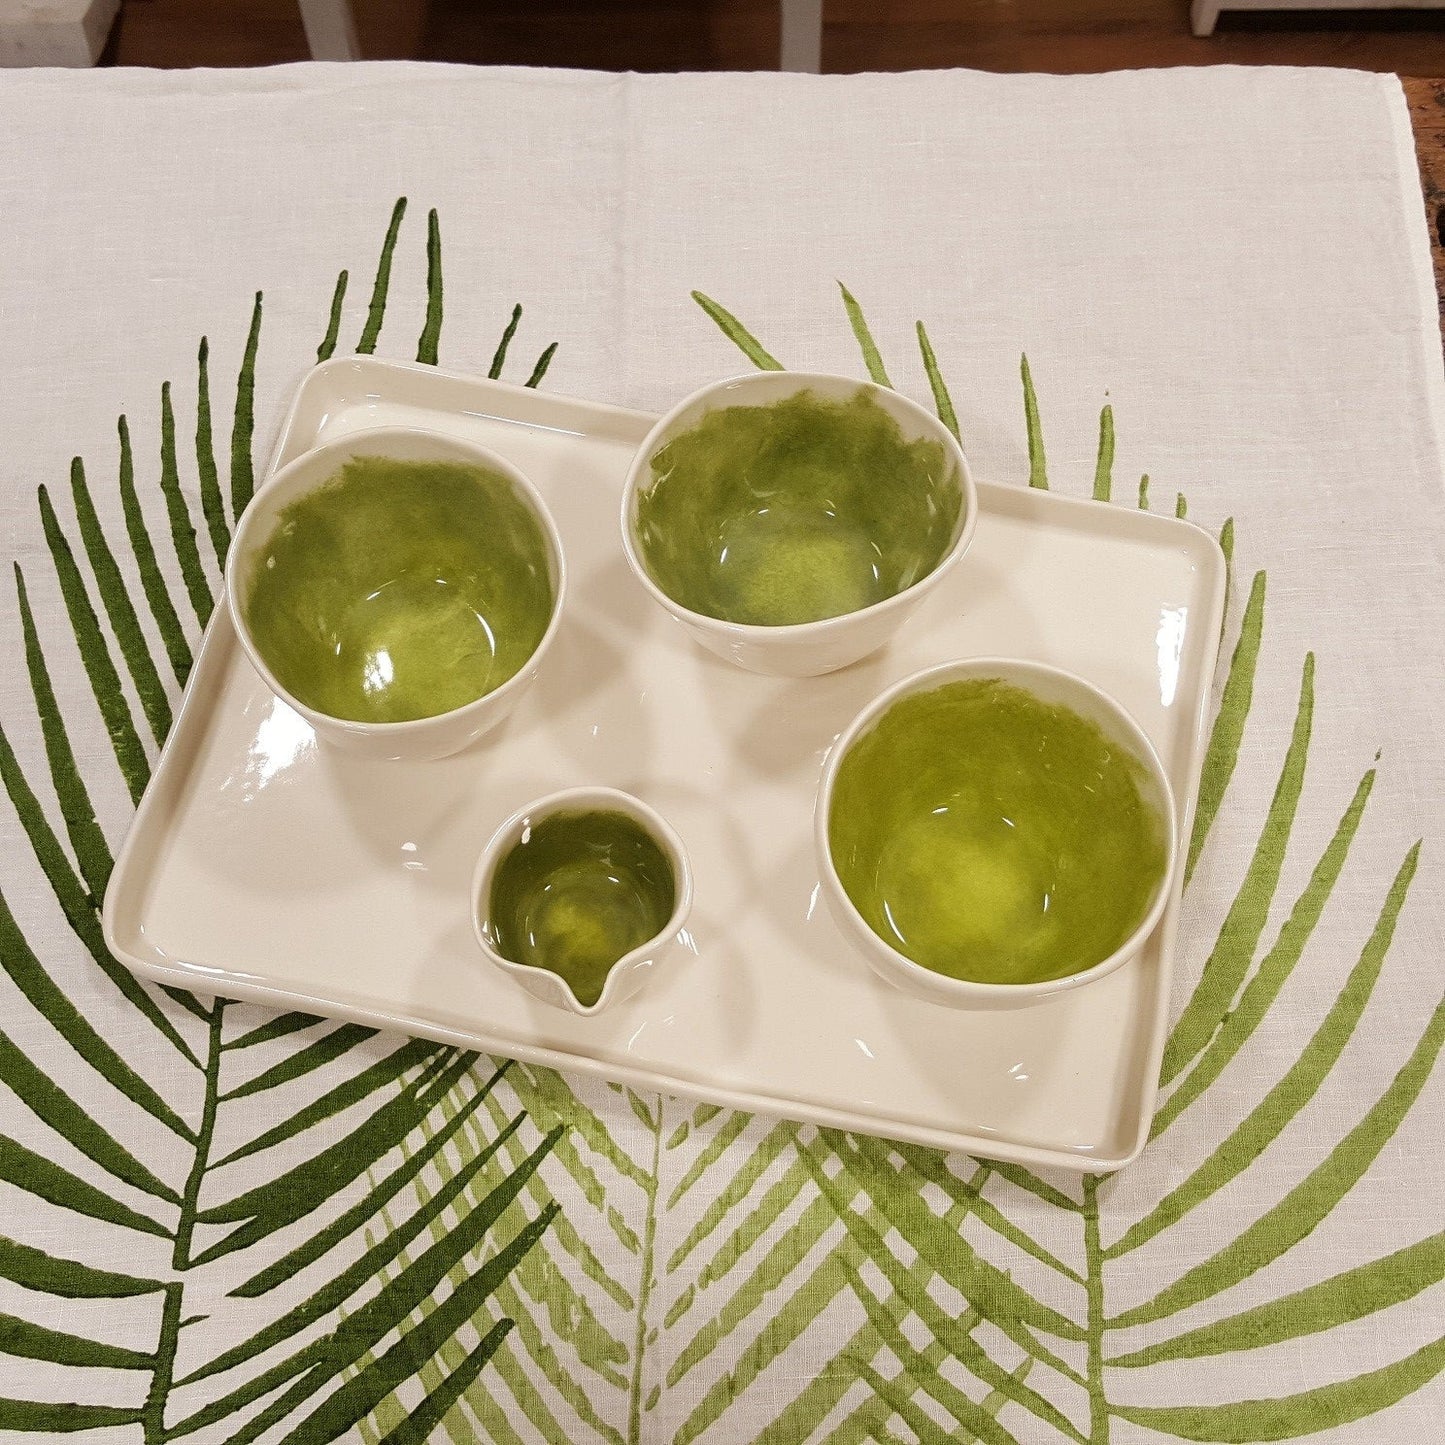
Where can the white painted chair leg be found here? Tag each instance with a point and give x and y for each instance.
(330, 29)
(54, 32)
(802, 36)
(1203, 16)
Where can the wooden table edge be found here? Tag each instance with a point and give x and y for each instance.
(1426, 99)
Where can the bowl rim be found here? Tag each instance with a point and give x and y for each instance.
(504, 838)
(923, 982)
(909, 595)
(352, 445)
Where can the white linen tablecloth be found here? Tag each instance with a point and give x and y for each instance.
(1235, 263)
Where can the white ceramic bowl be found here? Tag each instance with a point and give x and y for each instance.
(633, 969)
(802, 649)
(1051, 685)
(417, 738)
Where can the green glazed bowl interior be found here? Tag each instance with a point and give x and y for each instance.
(794, 511)
(994, 837)
(577, 892)
(581, 896)
(400, 589)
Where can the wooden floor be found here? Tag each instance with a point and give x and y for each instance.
(1046, 35)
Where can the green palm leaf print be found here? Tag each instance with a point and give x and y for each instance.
(312, 1232)
(894, 1226)
(280, 1144)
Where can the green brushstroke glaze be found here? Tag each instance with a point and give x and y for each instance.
(157, 594)
(95, 655)
(376, 312)
(431, 331)
(1289, 1417)
(872, 359)
(67, 1278)
(942, 401)
(1229, 961)
(1104, 466)
(1038, 466)
(243, 421)
(540, 369)
(738, 334)
(580, 890)
(1222, 755)
(327, 349)
(401, 590)
(780, 1239)
(990, 836)
(119, 609)
(778, 514)
(1275, 969)
(183, 531)
(213, 506)
(499, 357)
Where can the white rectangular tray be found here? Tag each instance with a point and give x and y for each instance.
(263, 867)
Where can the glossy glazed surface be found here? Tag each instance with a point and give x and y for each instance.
(264, 866)
(990, 836)
(800, 510)
(577, 892)
(400, 590)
